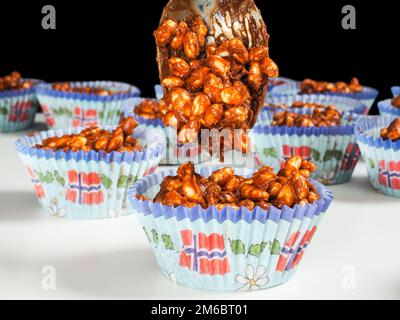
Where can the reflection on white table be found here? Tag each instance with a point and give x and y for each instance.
(353, 256)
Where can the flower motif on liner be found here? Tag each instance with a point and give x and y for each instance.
(252, 279)
(55, 210)
(327, 177)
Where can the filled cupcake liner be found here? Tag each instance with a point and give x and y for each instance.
(271, 86)
(333, 149)
(343, 104)
(176, 154)
(64, 109)
(17, 109)
(227, 250)
(386, 109)
(93, 185)
(381, 156)
(396, 91)
(367, 96)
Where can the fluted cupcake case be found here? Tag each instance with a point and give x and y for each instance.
(333, 149)
(93, 185)
(386, 109)
(227, 250)
(382, 157)
(343, 104)
(64, 109)
(396, 91)
(18, 109)
(367, 96)
(271, 85)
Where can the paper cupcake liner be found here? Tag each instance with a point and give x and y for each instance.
(341, 103)
(382, 157)
(17, 109)
(93, 185)
(227, 250)
(65, 109)
(333, 149)
(386, 109)
(396, 91)
(271, 86)
(367, 96)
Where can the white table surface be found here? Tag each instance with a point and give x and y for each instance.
(353, 256)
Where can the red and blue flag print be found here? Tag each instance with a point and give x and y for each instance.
(389, 174)
(84, 188)
(85, 118)
(205, 254)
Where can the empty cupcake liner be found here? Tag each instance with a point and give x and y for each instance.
(333, 149)
(93, 185)
(386, 109)
(396, 91)
(381, 156)
(65, 109)
(227, 250)
(367, 96)
(343, 104)
(17, 109)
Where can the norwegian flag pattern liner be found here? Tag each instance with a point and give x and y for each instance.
(36, 183)
(84, 188)
(288, 250)
(48, 116)
(351, 157)
(20, 111)
(85, 118)
(305, 242)
(290, 151)
(389, 174)
(204, 254)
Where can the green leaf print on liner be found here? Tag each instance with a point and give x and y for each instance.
(237, 247)
(333, 154)
(155, 235)
(315, 154)
(107, 182)
(257, 249)
(59, 179)
(275, 247)
(122, 182)
(132, 179)
(168, 244)
(270, 152)
(46, 178)
(3, 111)
(371, 163)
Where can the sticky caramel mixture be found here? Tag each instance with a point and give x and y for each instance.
(392, 132)
(225, 189)
(300, 105)
(14, 81)
(209, 86)
(328, 117)
(309, 86)
(148, 109)
(66, 87)
(396, 102)
(94, 138)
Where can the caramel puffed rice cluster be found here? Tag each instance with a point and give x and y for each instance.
(94, 138)
(209, 86)
(392, 132)
(328, 117)
(14, 81)
(309, 86)
(225, 189)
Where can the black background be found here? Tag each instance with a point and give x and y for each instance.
(113, 41)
